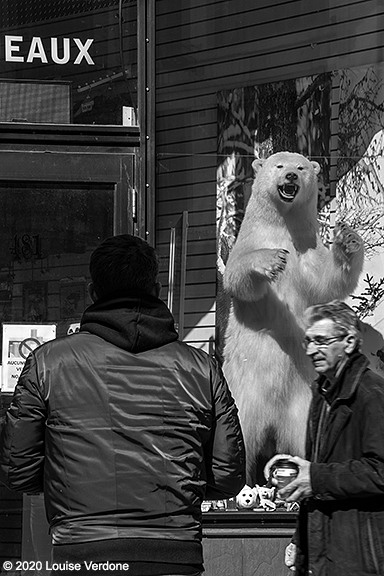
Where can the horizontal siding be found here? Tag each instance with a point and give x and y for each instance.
(200, 308)
(309, 35)
(196, 219)
(177, 178)
(204, 18)
(200, 158)
(195, 247)
(171, 107)
(268, 23)
(190, 141)
(198, 203)
(205, 47)
(186, 120)
(321, 58)
(200, 189)
(197, 233)
(274, 33)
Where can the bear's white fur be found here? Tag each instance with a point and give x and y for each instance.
(277, 268)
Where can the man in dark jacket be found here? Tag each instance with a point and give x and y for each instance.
(341, 483)
(125, 429)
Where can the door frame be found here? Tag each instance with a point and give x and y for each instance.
(78, 154)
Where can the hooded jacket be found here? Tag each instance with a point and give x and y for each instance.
(341, 528)
(125, 428)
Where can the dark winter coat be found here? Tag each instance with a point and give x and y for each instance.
(124, 427)
(341, 528)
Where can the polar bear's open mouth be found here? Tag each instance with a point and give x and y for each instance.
(288, 192)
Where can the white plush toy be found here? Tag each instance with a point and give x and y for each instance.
(266, 498)
(247, 498)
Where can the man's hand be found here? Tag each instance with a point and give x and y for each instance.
(290, 556)
(299, 488)
(271, 462)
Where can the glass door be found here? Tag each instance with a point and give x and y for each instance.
(55, 208)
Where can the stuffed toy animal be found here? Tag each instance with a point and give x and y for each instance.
(266, 497)
(247, 498)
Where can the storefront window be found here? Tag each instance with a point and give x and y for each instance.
(69, 62)
(46, 237)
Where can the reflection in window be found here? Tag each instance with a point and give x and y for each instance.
(69, 61)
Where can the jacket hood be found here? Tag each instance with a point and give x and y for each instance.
(133, 322)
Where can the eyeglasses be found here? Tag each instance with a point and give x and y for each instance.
(320, 341)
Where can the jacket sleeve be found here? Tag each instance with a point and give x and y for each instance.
(361, 476)
(225, 452)
(22, 435)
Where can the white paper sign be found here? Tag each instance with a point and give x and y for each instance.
(18, 342)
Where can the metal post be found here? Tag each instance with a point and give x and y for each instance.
(146, 113)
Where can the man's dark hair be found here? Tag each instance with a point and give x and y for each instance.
(123, 264)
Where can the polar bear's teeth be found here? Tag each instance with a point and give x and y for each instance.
(288, 191)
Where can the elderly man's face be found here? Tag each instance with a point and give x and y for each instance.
(326, 349)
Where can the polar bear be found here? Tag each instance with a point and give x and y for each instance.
(277, 268)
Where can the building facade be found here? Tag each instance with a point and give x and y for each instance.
(145, 117)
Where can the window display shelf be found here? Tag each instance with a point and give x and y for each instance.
(248, 522)
(246, 543)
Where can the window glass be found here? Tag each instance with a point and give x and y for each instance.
(68, 62)
(46, 238)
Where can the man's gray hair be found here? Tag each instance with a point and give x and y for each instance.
(345, 319)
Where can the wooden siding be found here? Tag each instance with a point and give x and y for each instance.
(203, 47)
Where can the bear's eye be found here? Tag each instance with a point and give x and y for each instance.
(300, 168)
(279, 166)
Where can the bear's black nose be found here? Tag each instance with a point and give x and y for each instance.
(291, 176)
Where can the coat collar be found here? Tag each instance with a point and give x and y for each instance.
(338, 394)
(347, 382)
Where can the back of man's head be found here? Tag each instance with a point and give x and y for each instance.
(122, 264)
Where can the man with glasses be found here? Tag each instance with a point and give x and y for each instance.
(341, 482)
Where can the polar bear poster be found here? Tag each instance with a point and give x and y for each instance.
(277, 268)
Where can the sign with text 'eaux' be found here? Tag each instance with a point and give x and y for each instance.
(19, 340)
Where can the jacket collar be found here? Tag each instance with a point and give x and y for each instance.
(347, 382)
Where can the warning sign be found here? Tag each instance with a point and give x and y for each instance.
(19, 340)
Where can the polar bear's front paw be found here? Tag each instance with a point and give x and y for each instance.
(277, 263)
(347, 240)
